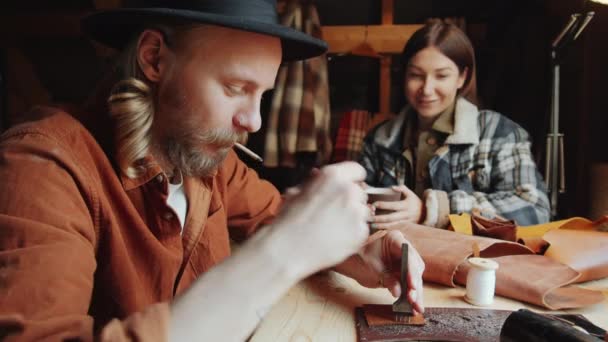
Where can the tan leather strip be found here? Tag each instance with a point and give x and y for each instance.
(583, 250)
(522, 275)
(443, 251)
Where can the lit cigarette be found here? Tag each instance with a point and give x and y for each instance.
(248, 152)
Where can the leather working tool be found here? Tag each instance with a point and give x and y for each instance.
(402, 307)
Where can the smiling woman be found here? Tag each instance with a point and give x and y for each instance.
(432, 81)
(443, 153)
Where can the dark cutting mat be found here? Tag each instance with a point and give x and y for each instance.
(448, 324)
(442, 324)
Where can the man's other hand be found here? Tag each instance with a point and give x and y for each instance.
(378, 265)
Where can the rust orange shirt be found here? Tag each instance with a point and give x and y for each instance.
(85, 251)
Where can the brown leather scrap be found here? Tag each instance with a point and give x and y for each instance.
(522, 275)
(497, 227)
(586, 251)
(538, 280)
(377, 314)
(444, 250)
(576, 242)
(536, 244)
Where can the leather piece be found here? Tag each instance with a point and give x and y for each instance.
(574, 223)
(584, 251)
(497, 228)
(538, 280)
(442, 324)
(377, 314)
(442, 250)
(445, 254)
(576, 242)
(537, 244)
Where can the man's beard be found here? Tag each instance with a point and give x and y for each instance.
(198, 154)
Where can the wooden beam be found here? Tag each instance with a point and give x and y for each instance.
(387, 39)
(384, 88)
(387, 11)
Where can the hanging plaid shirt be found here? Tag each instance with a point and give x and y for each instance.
(353, 127)
(299, 117)
(484, 164)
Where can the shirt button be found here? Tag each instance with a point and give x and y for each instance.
(160, 178)
(168, 216)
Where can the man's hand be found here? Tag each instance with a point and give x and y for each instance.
(378, 265)
(410, 209)
(324, 221)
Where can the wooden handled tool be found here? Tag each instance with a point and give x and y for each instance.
(402, 308)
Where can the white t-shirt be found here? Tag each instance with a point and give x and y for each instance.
(177, 200)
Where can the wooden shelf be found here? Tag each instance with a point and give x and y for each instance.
(387, 39)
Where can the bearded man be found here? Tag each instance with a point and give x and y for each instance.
(116, 219)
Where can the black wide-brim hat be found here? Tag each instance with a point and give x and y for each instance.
(116, 27)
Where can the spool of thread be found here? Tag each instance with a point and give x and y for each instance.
(481, 281)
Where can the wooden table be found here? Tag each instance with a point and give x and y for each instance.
(321, 308)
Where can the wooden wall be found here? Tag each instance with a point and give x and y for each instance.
(44, 58)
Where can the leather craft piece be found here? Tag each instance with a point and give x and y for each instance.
(497, 228)
(538, 280)
(377, 314)
(462, 223)
(574, 223)
(445, 252)
(584, 250)
(536, 244)
(442, 324)
(576, 242)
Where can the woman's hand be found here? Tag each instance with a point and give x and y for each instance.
(409, 209)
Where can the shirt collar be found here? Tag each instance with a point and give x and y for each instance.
(149, 170)
(445, 121)
(464, 129)
(466, 125)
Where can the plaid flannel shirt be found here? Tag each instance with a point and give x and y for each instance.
(299, 117)
(485, 164)
(349, 138)
(353, 127)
